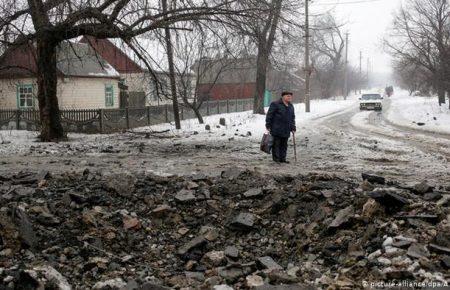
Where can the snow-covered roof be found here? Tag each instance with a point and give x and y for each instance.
(79, 59)
(73, 59)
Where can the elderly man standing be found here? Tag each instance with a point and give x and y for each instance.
(280, 122)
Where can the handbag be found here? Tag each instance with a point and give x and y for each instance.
(267, 143)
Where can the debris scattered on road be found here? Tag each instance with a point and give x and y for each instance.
(373, 178)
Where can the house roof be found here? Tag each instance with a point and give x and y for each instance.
(73, 59)
(79, 59)
(112, 54)
(226, 70)
(18, 62)
(239, 71)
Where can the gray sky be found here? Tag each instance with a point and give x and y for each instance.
(367, 22)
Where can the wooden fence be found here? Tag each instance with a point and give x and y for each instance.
(113, 120)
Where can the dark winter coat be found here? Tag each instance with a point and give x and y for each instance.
(280, 119)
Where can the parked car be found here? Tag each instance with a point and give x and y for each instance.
(371, 102)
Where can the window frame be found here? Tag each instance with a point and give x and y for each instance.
(25, 86)
(109, 89)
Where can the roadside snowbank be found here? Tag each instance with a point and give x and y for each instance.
(419, 113)
(255, 124)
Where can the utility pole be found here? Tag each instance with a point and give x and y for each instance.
(307, 65)
(360, 72)
(346, 68)
(368, 68)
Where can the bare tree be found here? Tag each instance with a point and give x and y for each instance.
(327, 54)
(200, 56)
(48, 23)
(413, 77)
(421, 37)
(172, 77)
(354, 78)
(262, 31)
(198, 53)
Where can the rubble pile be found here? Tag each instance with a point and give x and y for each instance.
(239, 230)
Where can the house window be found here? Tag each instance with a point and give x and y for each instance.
(157, 89)
(25, 96)
(109, 96)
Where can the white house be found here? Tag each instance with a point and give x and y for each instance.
(85, 80)
(140, 83)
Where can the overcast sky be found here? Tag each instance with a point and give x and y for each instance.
(368, 21)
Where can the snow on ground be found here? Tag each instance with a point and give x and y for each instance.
(14, 142)
(410, 111)
(244, 122)
(362, 121)
(238, 125)
(326, 142)
(378, 124)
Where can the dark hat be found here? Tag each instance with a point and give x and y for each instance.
(286, 93)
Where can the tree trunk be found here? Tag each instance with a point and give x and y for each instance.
(441, 95)
(261, 72)
(440, 86)
(51, 128)
(173, 83)
(448, 95)
(327, 91)
(198, 114)
(265, 44)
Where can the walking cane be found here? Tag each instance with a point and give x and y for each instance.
(295, 147)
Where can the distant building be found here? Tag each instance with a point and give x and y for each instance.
(158, 94)
(235, 78)
(85, 80)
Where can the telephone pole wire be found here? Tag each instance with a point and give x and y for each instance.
(307, 65)
(346, 68)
